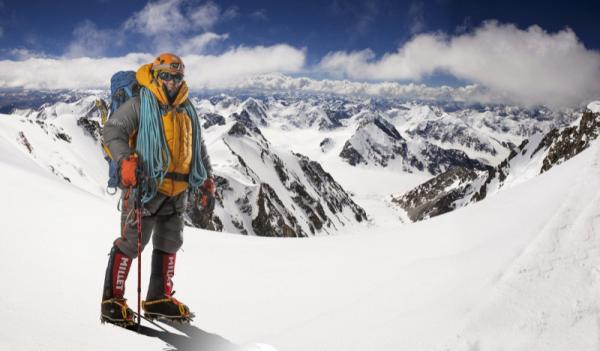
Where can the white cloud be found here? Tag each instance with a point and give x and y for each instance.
(230, 13)
(283, 83)
(66, 73)
(234, 66)
(158, 18)
(177, 16)
(90, 41)
(416, 14)
(178, 26)
(526, 66)
(205, 16)
(21, 54)
(199, 42)
(209, 71)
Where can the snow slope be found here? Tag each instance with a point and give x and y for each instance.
(517, 271)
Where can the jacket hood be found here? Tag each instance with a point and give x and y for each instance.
(145, 79)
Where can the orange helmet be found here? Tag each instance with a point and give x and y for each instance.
(169, 63)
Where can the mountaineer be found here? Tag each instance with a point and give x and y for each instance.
(155, 139)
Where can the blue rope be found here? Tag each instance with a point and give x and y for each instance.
(154, 152)
(151, 146)
(197, 171)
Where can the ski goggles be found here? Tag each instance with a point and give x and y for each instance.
(166, 76)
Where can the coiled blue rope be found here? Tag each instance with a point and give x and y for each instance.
(153, 149)
(197, 170)
(151, 146)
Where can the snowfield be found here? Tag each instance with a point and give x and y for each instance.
(517, 271)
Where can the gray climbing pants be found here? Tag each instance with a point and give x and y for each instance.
(162, 219)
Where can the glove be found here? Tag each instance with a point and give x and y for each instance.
(128, 170)
(206, 201)
(209, 186)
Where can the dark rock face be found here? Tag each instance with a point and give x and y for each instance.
(456, 133)
(573, 140)
(272, 215)
(351, 156)
(238, 129)
(438, 195)
(387, 128)
(22, 139)
(335, 117)
(335, 197)
(91, 127)
(63, 136)
(245, 121)
(440, 160)
(255, 110)
(212, 119)
(326, 144)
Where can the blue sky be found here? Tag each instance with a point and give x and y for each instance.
(364, 41)
(320, 26)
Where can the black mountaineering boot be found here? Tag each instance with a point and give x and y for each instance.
(160, 302)
(114, 307)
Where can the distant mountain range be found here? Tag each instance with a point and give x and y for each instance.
(460, 186)
(290, 165)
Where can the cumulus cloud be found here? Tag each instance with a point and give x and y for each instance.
(528, 66)
(65, 73)
(171, 25)
(202, 71)
(180, 26)
(24, 54)
(91, 41)
(283, 83)
(205, 16)
(170, 17)
(232, 67)
(199, 42)
(208, 15)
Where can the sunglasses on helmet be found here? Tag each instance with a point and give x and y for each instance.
(169, 76)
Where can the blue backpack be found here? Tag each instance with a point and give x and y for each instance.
(123, 86)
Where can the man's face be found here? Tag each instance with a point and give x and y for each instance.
(172, 82)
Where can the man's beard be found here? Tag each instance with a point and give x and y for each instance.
(171, 94)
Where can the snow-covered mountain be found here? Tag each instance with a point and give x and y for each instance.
(270, 192)
(376, 141)
(298, 165)
(468, 280)
(262, 190)
(460, 186)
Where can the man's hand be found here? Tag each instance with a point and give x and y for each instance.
(207, 195)
(128, 169)
(209, 186)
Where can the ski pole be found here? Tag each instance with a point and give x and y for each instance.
(138, 214)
